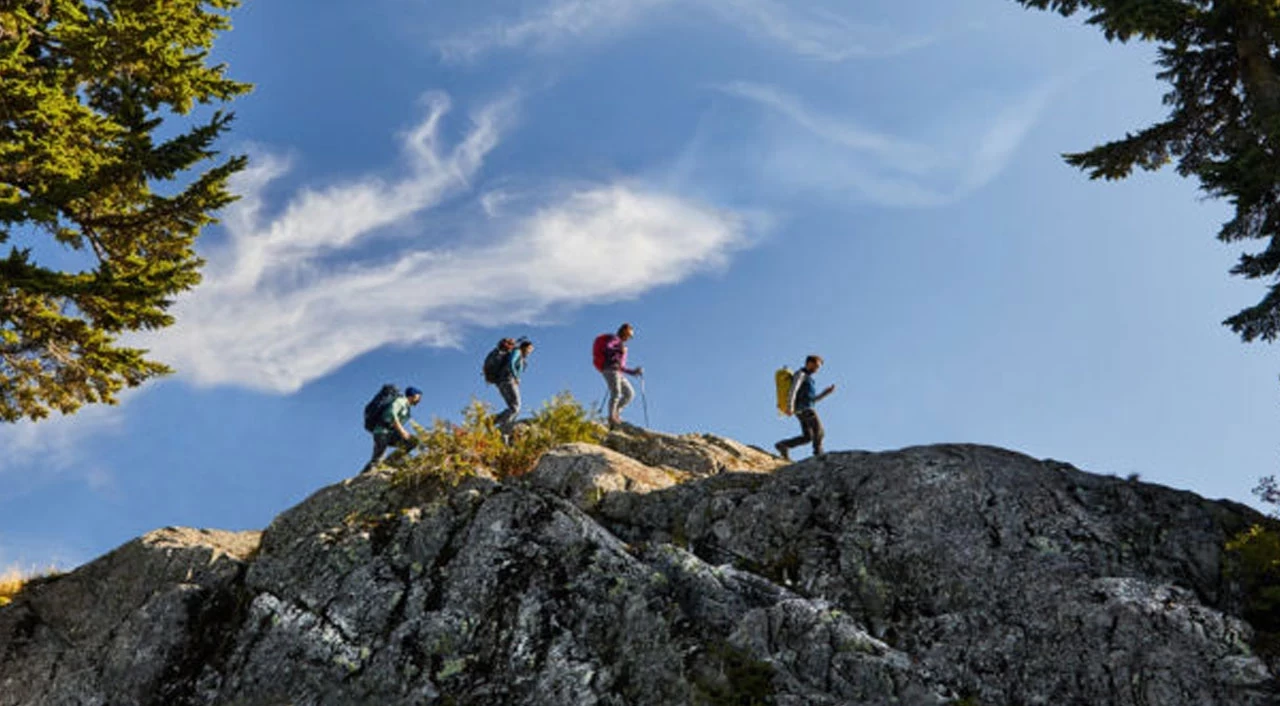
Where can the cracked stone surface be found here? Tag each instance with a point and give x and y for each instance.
(927, 576)
(1010, 579)
(135, 626)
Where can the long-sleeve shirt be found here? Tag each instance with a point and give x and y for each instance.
(615, 354)
(804, 391)
(517, 365)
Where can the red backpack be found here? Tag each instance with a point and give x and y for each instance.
(599, 350)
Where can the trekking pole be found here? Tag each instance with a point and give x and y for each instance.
(644, 401)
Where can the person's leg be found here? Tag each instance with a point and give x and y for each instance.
(814, 430)
(510, 391)
(380, 444)
(628, 392)
(804, 438)
(399, 447)
(613, 379)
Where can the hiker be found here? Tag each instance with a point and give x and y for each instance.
(389, 424)
(509, 384)
(609, 355)
(800, 402)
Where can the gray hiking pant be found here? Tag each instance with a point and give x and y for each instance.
(620, 391)
(510, 391)
(810, 430)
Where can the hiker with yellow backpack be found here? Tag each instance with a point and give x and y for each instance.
(800, 396)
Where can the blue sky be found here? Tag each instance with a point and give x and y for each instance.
(747, 181)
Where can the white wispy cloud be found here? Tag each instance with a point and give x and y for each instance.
(814, 32)
(901, 155)
(35, 451)
(811, 31)
(549, 25)
(884, 168)
(291, 297)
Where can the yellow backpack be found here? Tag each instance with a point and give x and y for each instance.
(782, 383)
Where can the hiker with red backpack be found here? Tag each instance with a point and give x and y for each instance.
(801, 398)
(609, 355)
(386, 416)
(503, 367)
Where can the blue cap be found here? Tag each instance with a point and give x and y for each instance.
(411, 391)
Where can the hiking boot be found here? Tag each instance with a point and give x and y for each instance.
(782, 451)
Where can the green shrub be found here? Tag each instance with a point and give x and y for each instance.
(451, 452)
(1256, 565)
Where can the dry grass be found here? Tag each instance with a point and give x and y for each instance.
(13, 580)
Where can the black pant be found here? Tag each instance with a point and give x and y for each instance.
(810, 430)
(385, 439)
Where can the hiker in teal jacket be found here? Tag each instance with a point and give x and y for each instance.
(392, 429)
(509, 385)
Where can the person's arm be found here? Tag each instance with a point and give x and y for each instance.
(830, 389)
(397, 407)
(516, 367)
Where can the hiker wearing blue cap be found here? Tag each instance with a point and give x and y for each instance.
(389, 412)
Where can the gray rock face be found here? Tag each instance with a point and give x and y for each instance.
(135, 626)
(938, 575)
(1011, 580)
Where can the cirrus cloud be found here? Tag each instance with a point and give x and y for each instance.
(836, 154)
(340, 272)
(811, 30)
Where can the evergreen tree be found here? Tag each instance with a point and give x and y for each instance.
(86, 87)
(1219, 57)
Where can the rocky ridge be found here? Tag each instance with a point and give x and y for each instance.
(657, 569)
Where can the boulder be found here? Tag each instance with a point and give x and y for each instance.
(697, 454)
(584, 474)
(136, 626)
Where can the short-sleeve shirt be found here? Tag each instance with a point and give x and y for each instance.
(397, 411)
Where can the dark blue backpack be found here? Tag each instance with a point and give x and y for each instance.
(497, 360)
(377, 407)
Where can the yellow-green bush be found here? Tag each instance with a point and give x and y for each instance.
(451, 452)
(1256, 565)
